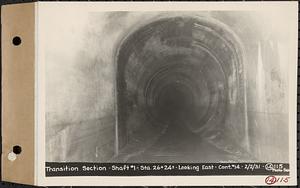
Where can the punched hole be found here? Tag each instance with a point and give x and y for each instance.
(12, 156)
(16, 41)
(17, 150)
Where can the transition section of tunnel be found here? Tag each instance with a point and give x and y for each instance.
(180, 81)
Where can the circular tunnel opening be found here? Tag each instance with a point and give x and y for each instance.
(180, 93)
(177, 79)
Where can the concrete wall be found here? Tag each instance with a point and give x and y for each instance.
(267, 62)
(80, 83)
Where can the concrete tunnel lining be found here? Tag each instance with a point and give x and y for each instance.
(180, 73)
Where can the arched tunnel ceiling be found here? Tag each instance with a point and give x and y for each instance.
(180, 73)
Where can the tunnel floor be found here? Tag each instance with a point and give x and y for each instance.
(178, 144)
(185, 147)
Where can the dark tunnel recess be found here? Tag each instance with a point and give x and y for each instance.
(178, 77)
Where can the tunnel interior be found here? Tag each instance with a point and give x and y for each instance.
(180, 83)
